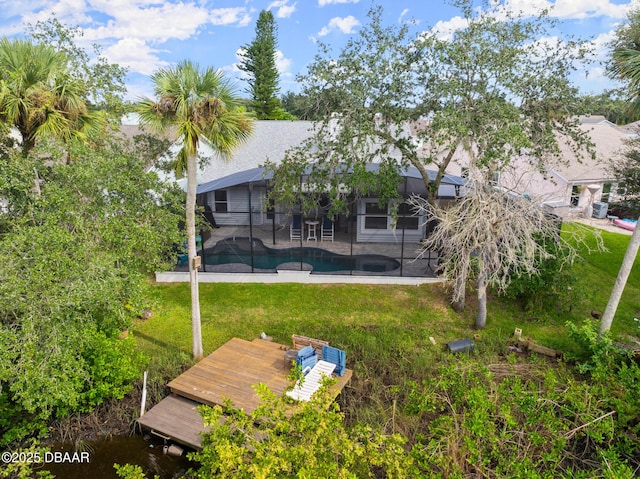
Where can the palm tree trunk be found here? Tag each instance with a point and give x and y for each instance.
(196, 329)
(621, 281)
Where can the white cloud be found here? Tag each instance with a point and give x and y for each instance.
(445, 29)
(230, 16)
(284, 10)
(283, 64)
(136, 55)
(345, 25)
(70, 12)
(570, 9)
(322, 3)
(158, 23)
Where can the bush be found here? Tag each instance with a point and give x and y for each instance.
(309, 439)
(513, 421)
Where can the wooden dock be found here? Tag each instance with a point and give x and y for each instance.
(229, 373)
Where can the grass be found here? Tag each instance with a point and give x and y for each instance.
(598, 272)
(385, 330)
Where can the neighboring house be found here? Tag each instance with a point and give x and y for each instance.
(572, 185)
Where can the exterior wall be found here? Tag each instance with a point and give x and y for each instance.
(388, 235)
(238, 207)
(237, 214)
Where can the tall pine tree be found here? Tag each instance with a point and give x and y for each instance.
(258, 59)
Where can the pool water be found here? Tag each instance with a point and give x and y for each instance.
(238, 250)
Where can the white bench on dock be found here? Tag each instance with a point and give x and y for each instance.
(305, 387)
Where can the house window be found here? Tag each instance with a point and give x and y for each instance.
(376, 217)
(606, 192)
(576, 190)
(407, 217)
(220, 204)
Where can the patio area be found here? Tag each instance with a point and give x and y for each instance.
(258, 241)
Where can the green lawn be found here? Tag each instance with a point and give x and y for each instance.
(385, 330)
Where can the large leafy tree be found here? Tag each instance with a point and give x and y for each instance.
(103, 82)
(258, 60)
(201, 106)
(481, 95)
(73, 274)
(488, 91)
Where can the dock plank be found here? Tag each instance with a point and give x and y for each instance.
(230, 372)
(176, 418)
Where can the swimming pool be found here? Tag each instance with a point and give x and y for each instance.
(239, 250)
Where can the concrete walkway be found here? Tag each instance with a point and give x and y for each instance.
(603, 224)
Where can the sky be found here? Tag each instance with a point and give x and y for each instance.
(145, 35)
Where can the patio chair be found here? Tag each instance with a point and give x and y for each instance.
(307, 358)
(295, 229)
(335, 356)
(326, 231)
(304, 389)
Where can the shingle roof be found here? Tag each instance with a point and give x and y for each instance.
(609, 141)
(269, 141)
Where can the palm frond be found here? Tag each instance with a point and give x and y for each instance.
(200, 104)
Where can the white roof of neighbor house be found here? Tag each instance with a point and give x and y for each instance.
(609, 143)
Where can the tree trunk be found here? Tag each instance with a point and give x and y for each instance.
(621, 281)
(196, 330)
(459, 304)
(481, 318)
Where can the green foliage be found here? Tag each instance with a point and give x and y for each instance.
(258, 60)
(73, 275)
(614, 375)
(625, 55)
(609, 104)
(518, 421)
(553, 284)
(103, 82)
(627, 170)
(39, 97)
(309, 439)
(299, 106)
(129, 471)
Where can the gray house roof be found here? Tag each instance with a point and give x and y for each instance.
(415, 184)
(269, 141)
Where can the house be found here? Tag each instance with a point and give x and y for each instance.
(235, 191)
(570, 186)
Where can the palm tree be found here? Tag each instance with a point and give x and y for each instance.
(626, 66)
(200, 105)
(39, 96)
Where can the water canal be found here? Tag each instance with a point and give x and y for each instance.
(146, 452)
